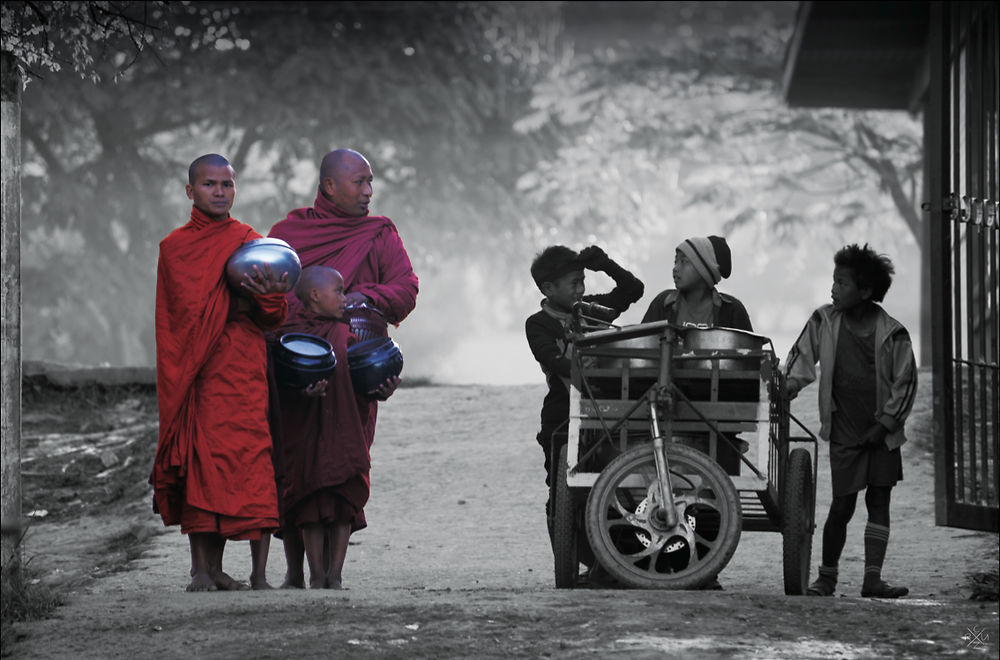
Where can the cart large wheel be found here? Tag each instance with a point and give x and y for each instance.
(624, 522)
(797, 509)
(565, 528)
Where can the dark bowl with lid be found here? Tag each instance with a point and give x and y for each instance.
(372, 362)
(301, 359)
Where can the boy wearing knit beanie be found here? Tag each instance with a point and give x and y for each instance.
(700, 263)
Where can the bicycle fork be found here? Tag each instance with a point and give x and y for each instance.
(667, 513)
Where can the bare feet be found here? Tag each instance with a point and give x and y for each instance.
(334, 584)
(260, 584)
(298, 582)
(318, 582)
(226, 583)
(202, 582)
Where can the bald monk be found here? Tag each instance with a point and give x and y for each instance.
(367, 251)
(213, 474)
(320, 433)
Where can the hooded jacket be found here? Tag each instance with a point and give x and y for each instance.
(895, 369)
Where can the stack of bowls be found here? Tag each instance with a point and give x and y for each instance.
(302, 359)
(367, 322)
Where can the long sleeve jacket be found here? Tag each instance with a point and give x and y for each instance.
(546, 334)
(895, 369)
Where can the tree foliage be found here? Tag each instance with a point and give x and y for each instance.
(695, 123)
(426, 90)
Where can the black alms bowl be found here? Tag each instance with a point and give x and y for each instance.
(262, 252)
(372, 362)
(301, 359)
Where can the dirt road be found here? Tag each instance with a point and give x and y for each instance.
(456, 563)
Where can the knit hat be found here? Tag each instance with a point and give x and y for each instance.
(710, 256)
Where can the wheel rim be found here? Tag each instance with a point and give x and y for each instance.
(630, 526)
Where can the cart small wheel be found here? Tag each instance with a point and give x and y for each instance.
(624, 520)
(797, 508)
(565, 528)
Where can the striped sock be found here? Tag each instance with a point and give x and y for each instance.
(828, 573)
(876, 541)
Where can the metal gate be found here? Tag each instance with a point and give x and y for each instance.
(962, 155)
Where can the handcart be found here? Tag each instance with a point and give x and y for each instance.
(637, 487)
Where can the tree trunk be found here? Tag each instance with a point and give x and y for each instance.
(10, 292)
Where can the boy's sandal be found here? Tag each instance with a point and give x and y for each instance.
(821, 587)
(884, 590)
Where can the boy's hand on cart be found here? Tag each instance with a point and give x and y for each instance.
(593, 258)
(787, 392)
(875, 436)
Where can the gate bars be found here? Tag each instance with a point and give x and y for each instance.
(962, 160)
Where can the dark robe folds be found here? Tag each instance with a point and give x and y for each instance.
(213, 468)
(366, 250)
(322, 440)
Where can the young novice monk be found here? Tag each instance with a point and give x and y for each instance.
(321, 434)
(213, 474)
(558, 272)
(868, 380)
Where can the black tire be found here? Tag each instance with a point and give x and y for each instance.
(640, 553)
(797, 508)
(565, 534)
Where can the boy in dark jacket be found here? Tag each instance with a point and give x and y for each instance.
(558, 272)
(700, 263)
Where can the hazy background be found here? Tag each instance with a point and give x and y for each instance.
(494, 129)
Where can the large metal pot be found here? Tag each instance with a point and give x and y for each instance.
(649, 341)
(721, 341)
(262, 252)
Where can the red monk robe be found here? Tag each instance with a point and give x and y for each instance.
(213, 470)
(366, 250)
(324, 476)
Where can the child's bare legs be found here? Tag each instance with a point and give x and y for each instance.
(834, 537)
(294, 556)
(314, 537)
(876, 540)
(338, 535)
(258, 559)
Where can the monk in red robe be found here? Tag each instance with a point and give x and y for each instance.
(213, 473)
(321, 435)
(367, 251)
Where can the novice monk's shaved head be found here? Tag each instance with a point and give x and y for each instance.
(316, 277)
(214, 160)
(321, 290)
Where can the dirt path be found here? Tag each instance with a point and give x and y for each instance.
(456, 563)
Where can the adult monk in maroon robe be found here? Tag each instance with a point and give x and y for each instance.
(213, 474)
(366, 250)
(320, 432)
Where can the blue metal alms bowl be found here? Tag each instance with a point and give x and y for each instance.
(262, 252)
(301, 359)
(372, 362)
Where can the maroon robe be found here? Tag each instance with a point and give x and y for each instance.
(321, 440)
(368, 253)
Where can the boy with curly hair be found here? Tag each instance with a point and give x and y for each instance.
(867, 383)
